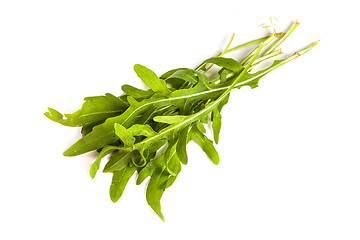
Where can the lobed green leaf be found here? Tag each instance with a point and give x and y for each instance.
(124, 134)
(94, 110)
(216, 124)
(142, 130)
(227, 63)
(105, 151)
(151, 80)
(136, 92)
(187, 75)
(181, 145)
(205, 144)
(119, 181)
(119, 161)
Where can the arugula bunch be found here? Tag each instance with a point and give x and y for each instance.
(146, 131)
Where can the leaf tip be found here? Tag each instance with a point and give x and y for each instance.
(114, 198)
(160, 215)
(92, 172)
(69, 152)
(136, 66)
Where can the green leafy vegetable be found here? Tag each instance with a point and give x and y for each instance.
(147, 131)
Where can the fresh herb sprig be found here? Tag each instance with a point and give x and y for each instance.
(146, 131)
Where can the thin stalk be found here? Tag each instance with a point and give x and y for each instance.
(228, 45)
(248, 44)
(266, 42)
(263, 58)
(288, 32)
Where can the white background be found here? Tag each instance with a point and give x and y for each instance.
(289, 149)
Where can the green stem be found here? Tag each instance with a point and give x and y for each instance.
(263, 58)
(288, 32)
(247, 44)
(266, 42)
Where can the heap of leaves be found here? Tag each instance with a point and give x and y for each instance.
(146, 131)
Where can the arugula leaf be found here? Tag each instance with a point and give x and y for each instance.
(105, 151)
(185, 74)
(216, 123)
(227, 63)
(181, 145)
(124, 134)
(120, 161)
(205, 144)
(142, 130)
(94, 110)
(150, 79)
(119, 181)
(216, 119)
(135, 92)
(154, 190)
